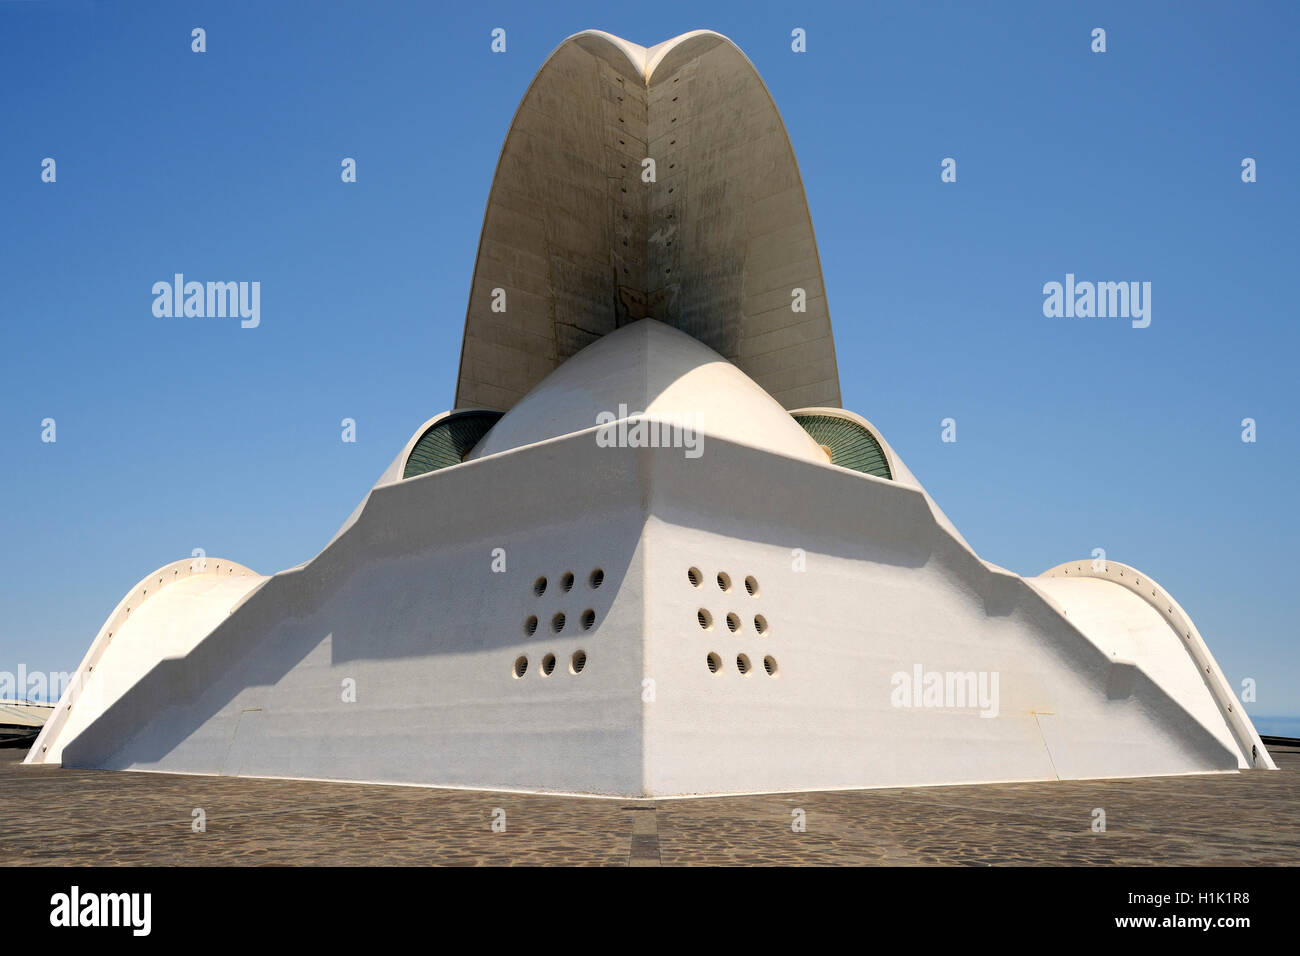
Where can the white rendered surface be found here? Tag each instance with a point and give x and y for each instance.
(404, 604)
(163, 616)
(652, 371)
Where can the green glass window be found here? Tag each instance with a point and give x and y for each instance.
(448, 441)
(851, 445)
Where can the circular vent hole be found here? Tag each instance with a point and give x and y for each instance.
(760, 624)
(566, 582)
(597, 579)
(694, 576)
(577, 662)
(724, 581)
(705, 619)
(548, 665)
(751, 585)
(588, 619)
(557, 623)
(715, 663)
(769, 665)
(742, 664)
(733, 623)
(530, 625)
(521, 667)
(539, 586)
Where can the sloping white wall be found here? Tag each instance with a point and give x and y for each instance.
(165, 615)
(390, 656)
(884, 588)
(406, 605)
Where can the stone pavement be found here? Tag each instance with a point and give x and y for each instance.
(53, 816)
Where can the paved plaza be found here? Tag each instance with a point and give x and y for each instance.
(95, 817)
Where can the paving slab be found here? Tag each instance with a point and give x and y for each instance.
(53, 816)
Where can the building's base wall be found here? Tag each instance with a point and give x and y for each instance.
(405, 613)
(858, 583)
(856, 580)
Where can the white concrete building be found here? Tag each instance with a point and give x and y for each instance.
(648, 554)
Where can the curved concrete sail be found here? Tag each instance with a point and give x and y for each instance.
(1132, 617)
(165, 615)
(576, 242)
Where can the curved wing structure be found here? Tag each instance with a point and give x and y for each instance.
(578, 239)
(1140, 625)
(167, 614)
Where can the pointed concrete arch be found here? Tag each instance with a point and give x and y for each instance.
(580, 245)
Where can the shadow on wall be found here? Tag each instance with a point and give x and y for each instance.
(392, 587)
(388, 590)
(823, 510)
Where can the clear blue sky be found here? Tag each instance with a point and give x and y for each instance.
(1072, 433)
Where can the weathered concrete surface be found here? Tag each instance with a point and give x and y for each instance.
(581, 244)
(54, 816)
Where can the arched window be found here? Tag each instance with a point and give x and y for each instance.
(448, 441)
